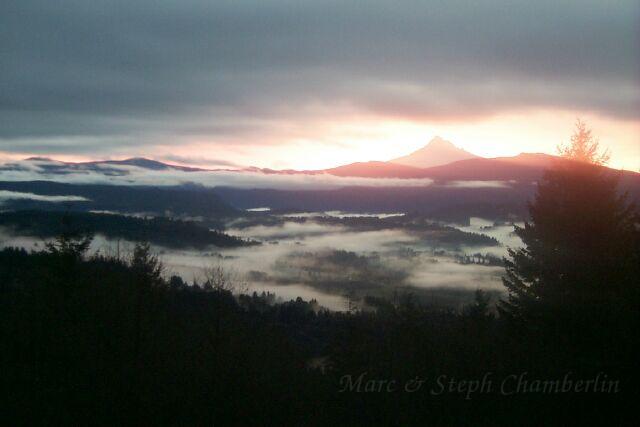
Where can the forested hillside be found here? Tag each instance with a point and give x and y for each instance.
(158, 230)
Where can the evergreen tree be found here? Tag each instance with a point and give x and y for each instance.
(71, 242)
(146, 264)
(580, 251)
(479, 309)
(584, 147)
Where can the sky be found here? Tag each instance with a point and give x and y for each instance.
(313, 84)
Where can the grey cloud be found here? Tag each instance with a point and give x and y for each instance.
(191, 160)
(48, 170)
(15, 195)
(145, 72)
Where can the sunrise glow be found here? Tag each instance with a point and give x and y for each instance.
(327, 144)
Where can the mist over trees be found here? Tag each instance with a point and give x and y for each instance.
(96, 339)
(169, 233)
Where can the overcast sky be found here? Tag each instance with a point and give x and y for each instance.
(289, 83)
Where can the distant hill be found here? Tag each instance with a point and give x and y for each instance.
(161, 231)
(106, 166)
(477, 168)
(144, 163)
(524, 167)
(460, 190)
(167, 200)
(521, 167)
(437, 152)
(376, 170)
(447, 163)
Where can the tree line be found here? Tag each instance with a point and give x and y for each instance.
(105, 340)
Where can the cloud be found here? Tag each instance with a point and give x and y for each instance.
(49, 170)
(478, 184)
(288, 230)
(199, 160)
(504, 233)
(16, 195)
(105, 76)
(446, 273)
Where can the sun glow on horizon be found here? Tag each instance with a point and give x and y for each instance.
(335, 143)
(327, 143)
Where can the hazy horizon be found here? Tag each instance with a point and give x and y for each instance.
(223, 165)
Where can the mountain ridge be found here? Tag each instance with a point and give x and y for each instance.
(524, 166)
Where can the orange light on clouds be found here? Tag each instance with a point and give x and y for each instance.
(326, 143)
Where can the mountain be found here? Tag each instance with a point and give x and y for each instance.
(437, 152)
(109, 167)
(143, 163)
(489, 188)
(376, 170)
(161, 231)
(183, 200)
(140, 162)
(497, 188)
(523, 167)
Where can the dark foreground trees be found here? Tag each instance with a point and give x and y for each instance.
(576, 282)
(581, 245)
(99, 340)
(106, 341)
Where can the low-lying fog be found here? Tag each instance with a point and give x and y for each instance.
(329, 263)
(502, 232)
(119, 174)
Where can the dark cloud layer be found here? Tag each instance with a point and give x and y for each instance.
(77, 76)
